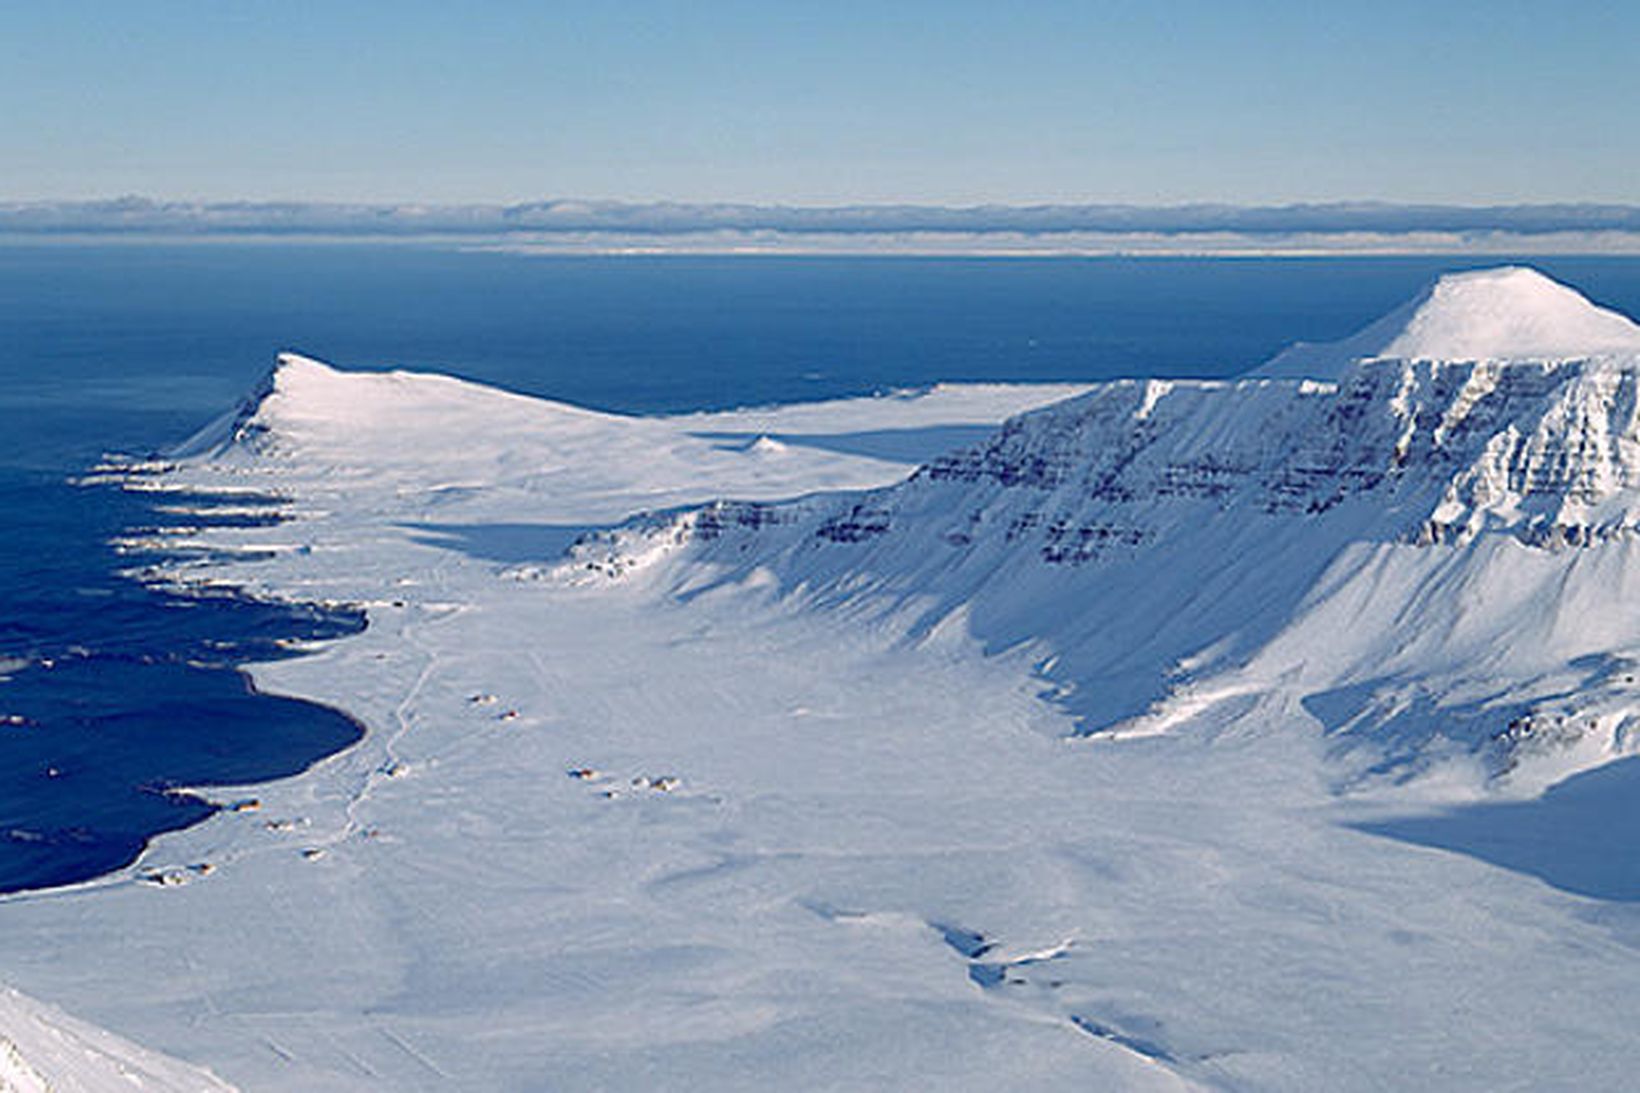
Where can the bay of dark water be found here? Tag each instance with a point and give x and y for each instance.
(115, 695)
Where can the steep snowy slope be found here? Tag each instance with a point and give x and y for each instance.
(1434, 555)
(45, 1051)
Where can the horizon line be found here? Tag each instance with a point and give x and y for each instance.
(136, 212)
(602, 226)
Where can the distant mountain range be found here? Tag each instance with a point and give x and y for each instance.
(1347, 225)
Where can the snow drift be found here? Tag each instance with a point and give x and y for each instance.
(45, 1051)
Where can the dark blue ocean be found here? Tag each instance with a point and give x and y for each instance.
(116, 696)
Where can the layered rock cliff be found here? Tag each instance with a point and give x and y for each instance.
(1443, 540)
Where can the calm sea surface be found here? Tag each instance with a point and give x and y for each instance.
(113, 696)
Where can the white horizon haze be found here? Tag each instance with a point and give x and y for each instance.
(608, 226)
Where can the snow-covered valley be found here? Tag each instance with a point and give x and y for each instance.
(1038, 736)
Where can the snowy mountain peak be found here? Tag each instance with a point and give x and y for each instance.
(302, 402)
(292, 365)
(1508, 313)
(1367, 543)
(295, 383)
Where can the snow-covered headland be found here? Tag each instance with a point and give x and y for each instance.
(887, 744)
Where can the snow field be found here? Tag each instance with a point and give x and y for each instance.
(1052, 766)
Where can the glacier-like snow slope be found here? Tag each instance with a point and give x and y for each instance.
(44, 1051)
(1045, 766)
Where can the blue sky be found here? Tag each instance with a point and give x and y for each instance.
(826, 103)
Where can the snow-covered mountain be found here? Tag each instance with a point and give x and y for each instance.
(1434, 552)
(1510, 313)
(984, 736)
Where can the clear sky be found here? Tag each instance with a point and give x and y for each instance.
(827, 102)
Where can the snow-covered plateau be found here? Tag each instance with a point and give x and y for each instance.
(986, 736)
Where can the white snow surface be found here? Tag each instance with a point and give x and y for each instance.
(45, 1051)
(1509, 313)
(1042, 764)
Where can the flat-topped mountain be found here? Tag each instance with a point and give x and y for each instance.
(1442, 534)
